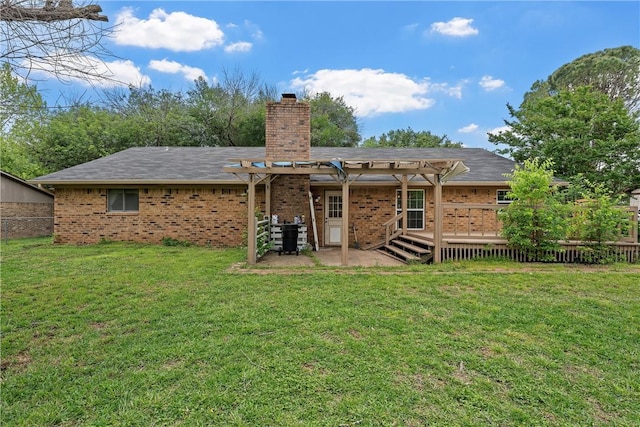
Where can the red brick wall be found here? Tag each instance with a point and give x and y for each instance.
(288, 130)
(369, 208)
(215, 216)
(290, 197)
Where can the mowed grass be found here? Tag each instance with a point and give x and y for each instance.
(139, 335)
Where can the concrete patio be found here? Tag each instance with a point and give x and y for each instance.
(329, 257)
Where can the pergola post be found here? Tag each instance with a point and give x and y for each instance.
(345, 222)
(267, 198)
(404, 195)
(437, 219)
(251, 234)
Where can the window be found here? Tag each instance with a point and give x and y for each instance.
(501, 197)
(415, 209)
(123, 200)
(334, 207)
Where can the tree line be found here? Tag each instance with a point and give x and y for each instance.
(584, 118)
(38, 140)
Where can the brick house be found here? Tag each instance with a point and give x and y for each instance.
(204, 194)
(26, 210)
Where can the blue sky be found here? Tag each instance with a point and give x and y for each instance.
(444, 67)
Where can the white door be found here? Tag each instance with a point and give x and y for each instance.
(333, 218)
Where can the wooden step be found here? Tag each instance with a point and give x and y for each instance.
(402, 254)
(416, 240)
(390, 255)
(413, 248)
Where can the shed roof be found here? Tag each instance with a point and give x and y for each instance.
(204, 165)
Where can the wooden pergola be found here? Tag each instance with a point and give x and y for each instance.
(345, 172)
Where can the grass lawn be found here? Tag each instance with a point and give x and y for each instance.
(139, 335)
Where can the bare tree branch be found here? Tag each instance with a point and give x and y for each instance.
(63, 11)
(56, 38)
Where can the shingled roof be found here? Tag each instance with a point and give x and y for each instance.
(203, 165)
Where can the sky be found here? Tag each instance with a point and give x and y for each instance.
(449, 68)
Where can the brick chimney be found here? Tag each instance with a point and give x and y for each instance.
(288, 138)
(288, 129)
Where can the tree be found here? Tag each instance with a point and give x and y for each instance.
(233, 110)
(614, 72)
(157, 118)
(597, 219)
(251, 131)
(74, 136)
(583, 131)
(54, 37)
(21, 106)
(333, 123)
(535, 220)
(408, 138)
(22, 115)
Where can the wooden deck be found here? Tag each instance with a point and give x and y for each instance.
(477, 245)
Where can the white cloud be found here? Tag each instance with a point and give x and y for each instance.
(172, 67)
(499, 130)
(120, 73)
(471, 128)
(488, 83)
(457, 27)
(238, 47)
(370, 91)
(454, 91)
(255, 31)
(127, 73)
(411, 27)
(176, 31)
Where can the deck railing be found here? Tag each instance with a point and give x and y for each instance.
(391, 229)
(473, 220)
(263, 236)
(632, 234)
(478, 221)
(570, 252)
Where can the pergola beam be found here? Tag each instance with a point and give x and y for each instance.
(326, 170)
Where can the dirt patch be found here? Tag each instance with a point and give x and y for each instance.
(19, 362)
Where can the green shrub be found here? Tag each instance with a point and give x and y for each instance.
(597, 220)
(170, 241)
(536, 220)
